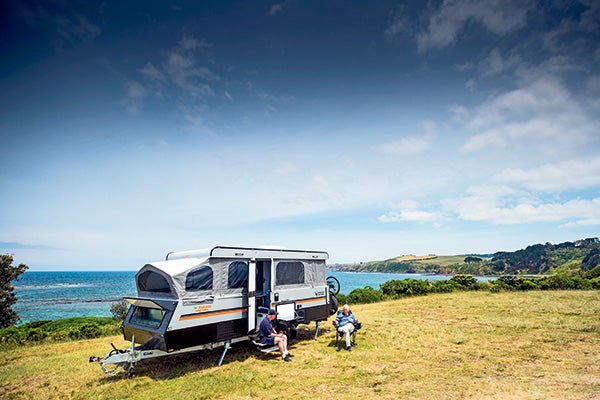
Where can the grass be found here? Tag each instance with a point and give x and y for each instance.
(518, 345)
(444, 261)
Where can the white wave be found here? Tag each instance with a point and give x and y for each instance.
(53, 286)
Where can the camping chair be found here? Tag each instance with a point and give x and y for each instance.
(338, 335)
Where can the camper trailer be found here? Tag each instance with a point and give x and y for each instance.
(214, 297)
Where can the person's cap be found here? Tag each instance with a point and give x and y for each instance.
(272, 312)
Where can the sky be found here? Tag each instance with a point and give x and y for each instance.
(366, 129)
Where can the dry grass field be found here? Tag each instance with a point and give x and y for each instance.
(522, 345)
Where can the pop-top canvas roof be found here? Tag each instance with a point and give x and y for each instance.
(175, 272)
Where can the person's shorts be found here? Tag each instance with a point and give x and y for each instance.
(268, 341)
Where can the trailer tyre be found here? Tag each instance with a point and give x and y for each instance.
(130, 371)
(334, 304)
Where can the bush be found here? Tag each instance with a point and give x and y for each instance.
(406, 287)
(593, 273)
(342, 299)
(464, 280)
(499, 285)
(527, 284)
(12, 335)
(445, 286)
(35, 335)
(364, 295)
(595, 283)
(563, 282)
(89, 331)
(119, 310)
(481, 286)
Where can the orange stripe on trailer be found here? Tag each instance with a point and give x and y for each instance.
(310, 300)
(211, 314)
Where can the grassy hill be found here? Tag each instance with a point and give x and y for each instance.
(568, 257)
(513, 345)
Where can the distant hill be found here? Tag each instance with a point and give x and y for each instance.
(580, 255)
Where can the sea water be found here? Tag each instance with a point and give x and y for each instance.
(56, 295)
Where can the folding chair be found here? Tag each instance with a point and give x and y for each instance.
(339, 338)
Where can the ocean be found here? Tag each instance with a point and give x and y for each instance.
(56, 295)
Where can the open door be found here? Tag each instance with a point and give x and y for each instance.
(252, 295)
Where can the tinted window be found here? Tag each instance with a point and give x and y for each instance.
(147, 316)
(200, 279)
(150, 281)
(238, 275)
(289, 273)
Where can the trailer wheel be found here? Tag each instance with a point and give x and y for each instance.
(333, 303)
(130, 371)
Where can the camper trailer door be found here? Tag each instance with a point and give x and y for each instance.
(251, 295)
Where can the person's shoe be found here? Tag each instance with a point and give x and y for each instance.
(290, 355)
(349, 348)
(287, 358)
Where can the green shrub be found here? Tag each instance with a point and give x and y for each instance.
(89, 331)
(499, 285)
(445, 286)
(35, 335)
(563, 282)
(12, 335)
(342, 299)
(481, 286)
(364, 295)
(463, 280)
(595, 283)
(527, 284)
(119, 310)
(406, 287)
(593, 273)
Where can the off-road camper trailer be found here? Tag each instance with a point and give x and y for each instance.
(214, 297)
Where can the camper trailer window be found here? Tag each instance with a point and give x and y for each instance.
(238, 275)
(289, 273)
(147, 316)
(150, 281)
(200, 279)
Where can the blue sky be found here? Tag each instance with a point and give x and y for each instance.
(367, 129)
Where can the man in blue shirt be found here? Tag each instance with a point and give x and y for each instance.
(344, 323)
(269, 336)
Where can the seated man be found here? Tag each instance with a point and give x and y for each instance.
(344, 323)
(270, 337)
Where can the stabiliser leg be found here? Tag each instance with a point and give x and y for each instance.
(226, 347)
(317, 330)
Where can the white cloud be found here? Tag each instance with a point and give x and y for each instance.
(398, 22)
(409, 216)
(555, 177)
(411, 145)
(459, 113)
(135, 94)
(495, 63)
(150, 72)
(181, 67)
(500, 205)
(497, 16)
(409, 211)
(541, 113)
(274, 10)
